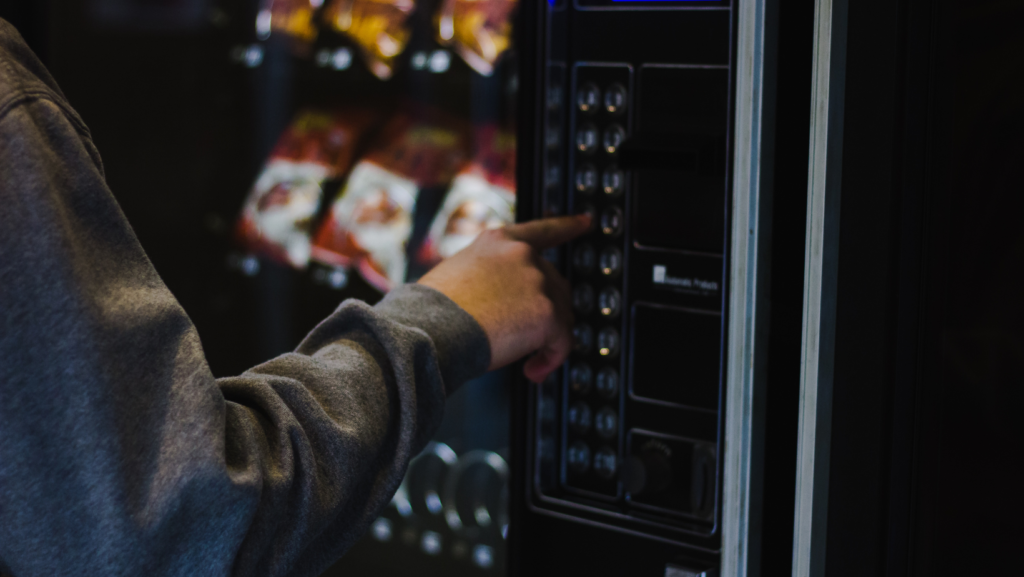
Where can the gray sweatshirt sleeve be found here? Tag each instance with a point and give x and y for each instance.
(121, 454)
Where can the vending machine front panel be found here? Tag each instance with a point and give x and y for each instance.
(623, 447)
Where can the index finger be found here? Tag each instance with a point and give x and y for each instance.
(549, 232)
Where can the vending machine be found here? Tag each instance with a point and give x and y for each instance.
(645, 455)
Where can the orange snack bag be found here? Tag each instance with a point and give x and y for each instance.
(378, 27)
(478, 30)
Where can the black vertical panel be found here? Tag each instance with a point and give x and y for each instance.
(968, 502)
(866, 288)
(926, 434)
(794, 22)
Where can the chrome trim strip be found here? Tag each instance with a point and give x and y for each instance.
(742, 427)
(820, 278)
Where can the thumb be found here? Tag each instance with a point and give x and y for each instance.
(549, 232)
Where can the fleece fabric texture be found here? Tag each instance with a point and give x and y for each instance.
(120, 453)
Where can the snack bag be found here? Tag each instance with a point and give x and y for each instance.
(277, 216)
(376, 26)
(478, 30)
(482, 197)
(368, 226)
(291, 17)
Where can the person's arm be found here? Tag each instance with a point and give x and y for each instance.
(120, 454)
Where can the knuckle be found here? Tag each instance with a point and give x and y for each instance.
(545, 309)
(534, 278)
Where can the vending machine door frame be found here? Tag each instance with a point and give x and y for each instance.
(748, 282)
(749, 251)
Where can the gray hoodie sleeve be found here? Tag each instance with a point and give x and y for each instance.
(121, 454)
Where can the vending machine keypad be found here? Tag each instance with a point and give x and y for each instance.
(592, 440)
(627, 434)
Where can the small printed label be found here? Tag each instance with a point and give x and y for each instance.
(691, 284)
(659, 274)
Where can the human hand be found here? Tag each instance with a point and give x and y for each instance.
(518, 298)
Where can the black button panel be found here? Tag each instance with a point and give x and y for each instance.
(593, 440)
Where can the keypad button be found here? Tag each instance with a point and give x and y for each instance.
(554, 97)
(607, 383)
(606, 463)
(577, 456)
(608, 342)
(616, 99)
(586, 179)
(546, 408)
(584, 258)
(612, 181)
(552, 138)
(581, 378)
(586, 139)
(579, 417)
(606, 423)
(610, 262)
(611, 221)
(609, 301)
(583, 299)
(588, 98)
(613, 137)
(583, 338)
(553, 177)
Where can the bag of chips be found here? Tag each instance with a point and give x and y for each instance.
(478, 30)
(293, 18)
(482, 197)
(278, 214)
(369, 224)
(378, 27)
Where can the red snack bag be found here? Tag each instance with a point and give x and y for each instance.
(482, 197)
(377, 26)
(277, 216)
(478, 30)
(369, 224)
